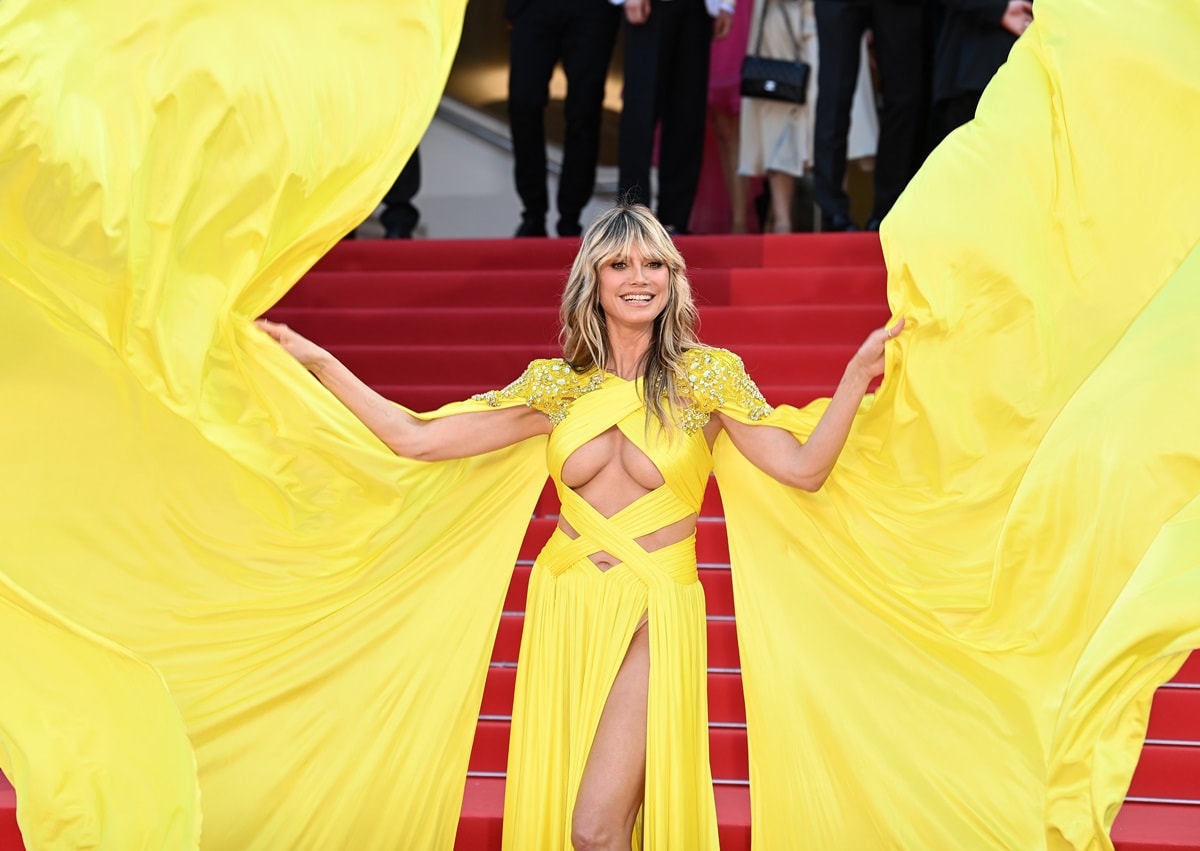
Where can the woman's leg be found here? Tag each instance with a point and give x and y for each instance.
(614, 779)
(726, 129)
(783, 189)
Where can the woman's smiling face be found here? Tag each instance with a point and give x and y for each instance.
(634, 289)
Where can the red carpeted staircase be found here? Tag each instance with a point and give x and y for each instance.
(428, 322)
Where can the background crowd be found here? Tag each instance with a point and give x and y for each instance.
(888, 79)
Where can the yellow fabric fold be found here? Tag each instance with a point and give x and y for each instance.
(955, 643)
(193, 528)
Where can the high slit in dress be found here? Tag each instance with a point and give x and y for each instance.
(580, 619)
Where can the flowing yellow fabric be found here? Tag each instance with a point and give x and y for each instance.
(222, 596)
(954, 644)
(217, 589)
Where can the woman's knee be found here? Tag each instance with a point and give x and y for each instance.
(591, 832)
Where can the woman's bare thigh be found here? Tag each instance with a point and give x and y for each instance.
(613, 784)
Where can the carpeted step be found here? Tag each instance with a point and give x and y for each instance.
(10, 834)
(1156, 827)
(818, 285)
(728, 327)
(489, 255)
(496, 366)
(1190, 672)
(854, 285)
(1170, 772)
(1175, 715)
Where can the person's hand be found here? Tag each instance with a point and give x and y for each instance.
(1017, 17)
(637, 11)
(724, 24)
(308, 353)
(868, 360)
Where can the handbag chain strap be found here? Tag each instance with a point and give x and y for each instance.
(787, 21)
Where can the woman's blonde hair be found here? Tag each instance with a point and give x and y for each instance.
(584, 334)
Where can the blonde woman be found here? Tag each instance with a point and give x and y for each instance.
(609, 742)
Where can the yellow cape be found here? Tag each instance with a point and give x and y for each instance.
(955, 643)
(220, 594)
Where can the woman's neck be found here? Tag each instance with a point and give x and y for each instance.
(627, 352)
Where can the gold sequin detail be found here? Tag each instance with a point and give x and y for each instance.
(547, 385)
(718, 379)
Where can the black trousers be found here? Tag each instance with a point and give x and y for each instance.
(666, 84)
(898, 29)
(400, 216)
(957, 111)
(581, 34)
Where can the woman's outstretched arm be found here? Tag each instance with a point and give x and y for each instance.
(807, 465)
(455, 436)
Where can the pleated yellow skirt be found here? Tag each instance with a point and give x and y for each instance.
(579, 622)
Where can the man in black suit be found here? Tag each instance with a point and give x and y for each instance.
(581, 34)
(975, 40)
(667, 45)
(897, 28)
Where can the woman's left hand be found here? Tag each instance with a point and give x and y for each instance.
(868, 360)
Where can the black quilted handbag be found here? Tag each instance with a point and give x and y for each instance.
(776, 79)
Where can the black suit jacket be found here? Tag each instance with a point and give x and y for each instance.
(512, 8)
(971, 48)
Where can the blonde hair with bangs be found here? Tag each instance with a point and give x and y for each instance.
(584, 334)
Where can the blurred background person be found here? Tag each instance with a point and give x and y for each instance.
(898, 39)
(580, 34)
(975, 39)
(721, 205)
(398, 215)
(777, 136)
(667, 58)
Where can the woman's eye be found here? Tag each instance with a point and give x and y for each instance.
(655, 264)
(618, 264)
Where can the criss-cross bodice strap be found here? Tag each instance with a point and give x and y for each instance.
(617, 535)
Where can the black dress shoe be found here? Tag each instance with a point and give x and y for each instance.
(873, 224)
(397, 234)
(531, 227)
(838, 223)
(569, 228)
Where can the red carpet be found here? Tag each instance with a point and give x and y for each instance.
(428, 322)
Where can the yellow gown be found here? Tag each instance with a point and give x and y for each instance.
(234, 620)
(580, 620)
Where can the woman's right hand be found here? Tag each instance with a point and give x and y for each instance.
(309, 354)
(868, 361)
